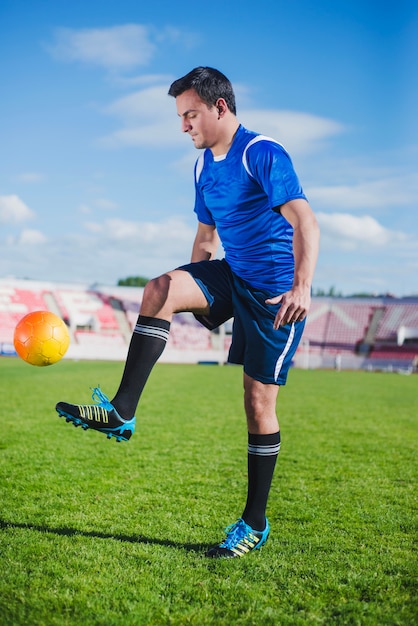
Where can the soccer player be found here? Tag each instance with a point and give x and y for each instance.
(249, 197)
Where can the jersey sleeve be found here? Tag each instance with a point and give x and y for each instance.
(201, 210)
(271, 166)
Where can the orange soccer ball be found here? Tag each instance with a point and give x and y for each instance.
(41, 338)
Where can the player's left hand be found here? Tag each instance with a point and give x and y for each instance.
(294, 306)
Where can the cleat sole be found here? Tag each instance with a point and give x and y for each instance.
(77, 422)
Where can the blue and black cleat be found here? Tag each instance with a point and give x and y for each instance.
(240, 539)
(101, 416)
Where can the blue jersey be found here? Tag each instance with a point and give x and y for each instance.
(238, 194)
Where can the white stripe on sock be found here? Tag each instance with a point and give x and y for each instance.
(264, 450)
(151, 331)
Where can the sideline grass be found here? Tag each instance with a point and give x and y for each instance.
(98, 533)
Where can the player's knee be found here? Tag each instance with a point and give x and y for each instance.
(156, 292)
(260, 405)
(255, 403)
(156, 286)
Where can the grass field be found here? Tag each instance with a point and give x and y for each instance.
(99, 533)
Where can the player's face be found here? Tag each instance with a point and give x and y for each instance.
(197, 119)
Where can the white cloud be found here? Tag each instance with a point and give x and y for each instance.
(30, 177)
(391, 191)
(115, 248)
(115, 48)
(355, 251)
(162, 235)
(148, 117)
(143, 80)
(151, 102)
(300, 133)
(158, 134)
(30, 237)
(106, 204)
(84, 208)
(349, 232)
(103, 252)
(93, 227)
(14, 210)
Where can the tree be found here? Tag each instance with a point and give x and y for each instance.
(133, 281)
(332, 292)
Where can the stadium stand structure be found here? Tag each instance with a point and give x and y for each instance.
(350, 333)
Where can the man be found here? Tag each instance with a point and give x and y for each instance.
(249, 197)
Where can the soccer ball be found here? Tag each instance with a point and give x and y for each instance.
(41, 338)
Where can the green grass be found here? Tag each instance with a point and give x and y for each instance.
(93, 532)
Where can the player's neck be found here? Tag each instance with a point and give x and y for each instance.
(226, 138)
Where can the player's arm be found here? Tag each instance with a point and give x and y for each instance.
(205, 244)
(296, 302)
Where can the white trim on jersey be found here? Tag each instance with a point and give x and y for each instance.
(199, 166)
(249, 144)
(201, 159)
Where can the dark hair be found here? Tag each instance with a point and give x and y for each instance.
(209, 84)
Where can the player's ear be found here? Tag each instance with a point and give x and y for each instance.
(222, 107)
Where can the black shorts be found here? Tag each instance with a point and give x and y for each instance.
(265, 353)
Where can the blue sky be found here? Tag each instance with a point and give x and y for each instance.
(96, 178)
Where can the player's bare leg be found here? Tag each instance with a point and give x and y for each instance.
(163, 296)
(260, 406)
(170, 293)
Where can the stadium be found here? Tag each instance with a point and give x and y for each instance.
(367, 333)
(97, 191)
(98, 532)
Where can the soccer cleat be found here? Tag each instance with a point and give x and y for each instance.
(240, 539)
(101, 416)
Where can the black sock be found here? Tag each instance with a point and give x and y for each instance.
(148, 341)
(262, 455)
